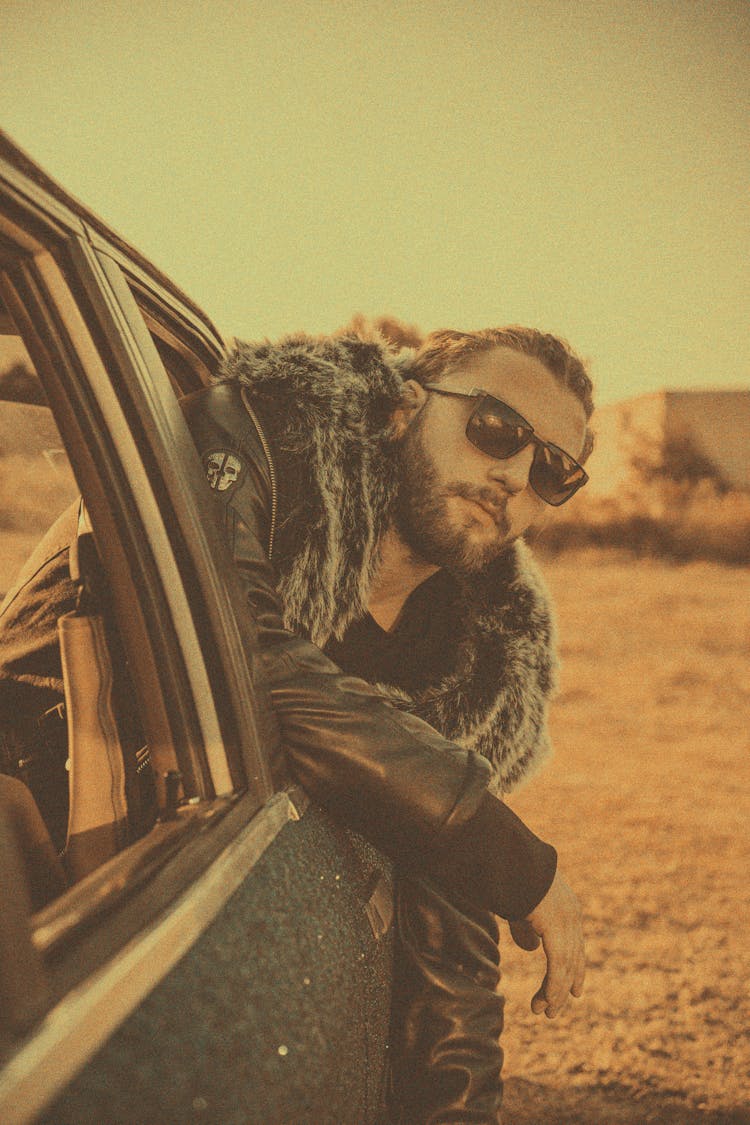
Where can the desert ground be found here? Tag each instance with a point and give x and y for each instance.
(647, 802)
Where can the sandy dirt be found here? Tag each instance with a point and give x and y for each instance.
(648, 803)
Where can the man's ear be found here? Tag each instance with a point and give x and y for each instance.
(413, 398)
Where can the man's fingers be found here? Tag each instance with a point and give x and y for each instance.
(556, 985)
(560, 982)
(539, 1005)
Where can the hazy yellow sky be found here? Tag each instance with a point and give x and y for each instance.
(582, 167)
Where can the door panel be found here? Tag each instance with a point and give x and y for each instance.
(278, 1014)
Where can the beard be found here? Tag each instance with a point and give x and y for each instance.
(421, 516)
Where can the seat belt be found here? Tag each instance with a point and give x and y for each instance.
(98, 811)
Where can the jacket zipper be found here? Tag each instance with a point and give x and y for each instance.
(271, 470)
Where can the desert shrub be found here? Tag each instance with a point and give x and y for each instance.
(677, 461)
(715, 527)
(676, 506)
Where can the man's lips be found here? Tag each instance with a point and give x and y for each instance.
(490, 503)
(496, 512)
(491, 509)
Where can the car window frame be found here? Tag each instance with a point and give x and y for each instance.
(102, 283)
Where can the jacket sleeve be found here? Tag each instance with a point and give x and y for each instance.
(388, 775)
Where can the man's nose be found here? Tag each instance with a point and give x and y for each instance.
(513, 472)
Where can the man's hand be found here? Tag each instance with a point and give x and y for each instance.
(557, 921)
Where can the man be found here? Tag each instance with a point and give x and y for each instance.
(394, 505)
(345, 489)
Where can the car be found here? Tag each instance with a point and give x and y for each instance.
(230, 960)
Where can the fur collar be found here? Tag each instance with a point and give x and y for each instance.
(494, 700)
(325, 405)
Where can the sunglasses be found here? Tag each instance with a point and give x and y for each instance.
(499, 431)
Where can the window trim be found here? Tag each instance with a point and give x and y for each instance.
(223, 612)
(139, 384)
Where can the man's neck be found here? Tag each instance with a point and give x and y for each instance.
(398, 574)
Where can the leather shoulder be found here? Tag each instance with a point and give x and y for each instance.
(230, 445)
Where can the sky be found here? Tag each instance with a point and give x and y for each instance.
(582, 168)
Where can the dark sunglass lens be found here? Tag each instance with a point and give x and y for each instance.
(554, 476)
(493, 429)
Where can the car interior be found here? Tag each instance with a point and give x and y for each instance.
(73, 806)
(75, 768)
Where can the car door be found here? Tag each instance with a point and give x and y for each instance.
(229, 959)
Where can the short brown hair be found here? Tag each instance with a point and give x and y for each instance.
(446, 351)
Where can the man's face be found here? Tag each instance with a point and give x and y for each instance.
(457, 506)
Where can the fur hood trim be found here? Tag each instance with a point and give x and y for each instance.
(325, 405)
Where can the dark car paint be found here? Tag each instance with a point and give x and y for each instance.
(278, 1014)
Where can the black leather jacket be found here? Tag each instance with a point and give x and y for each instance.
(420, 799)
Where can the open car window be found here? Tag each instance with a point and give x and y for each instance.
(74, 755)
(37, 488)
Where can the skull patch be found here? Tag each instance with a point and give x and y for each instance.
(223, 469)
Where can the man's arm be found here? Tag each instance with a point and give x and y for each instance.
(419, 798)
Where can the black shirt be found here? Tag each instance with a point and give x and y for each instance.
(420, 648)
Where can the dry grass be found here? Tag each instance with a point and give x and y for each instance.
(647, 801)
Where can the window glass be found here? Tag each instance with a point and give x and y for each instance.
(186, 358)
(182, 375)
(36, 482)
(77, 800)
(36, 487)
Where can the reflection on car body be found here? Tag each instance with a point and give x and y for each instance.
(210, 943)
